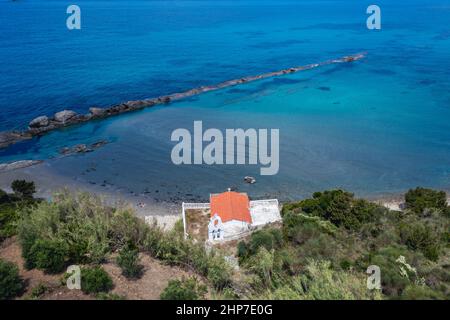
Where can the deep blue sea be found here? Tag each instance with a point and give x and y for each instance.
(376, 126)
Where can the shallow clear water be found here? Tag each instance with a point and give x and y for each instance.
(377, 126)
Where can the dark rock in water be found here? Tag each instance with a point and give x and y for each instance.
(165, 99)
(79, 148)
(11, 137)
(64, 116)
(82, 148)
(41, 130)
(98, 144)
(38, 122)
(249, 180)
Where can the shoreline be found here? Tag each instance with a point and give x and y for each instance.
(166, 213)
(48, 182)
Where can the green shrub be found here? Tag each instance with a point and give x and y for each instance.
(8, 220)
(417, 292)
(38, 291)
(268, 238)
(4, 198)
(219, 272)
(11, 284)
(95, 280)
(109, 296)
(419, 236)
(128, 261)
(338, 207)
(90, 229)
(185, 289)
(23, 189)
(48, 255)
(420, 199)
(321, 282)
(267, 266)
(393, 279)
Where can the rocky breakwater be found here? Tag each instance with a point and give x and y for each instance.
(44, 124)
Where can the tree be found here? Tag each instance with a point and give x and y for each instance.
(23, 189)
(10, 282)
(128, 261)
(95, 280)
(185, 289)
(3, 196)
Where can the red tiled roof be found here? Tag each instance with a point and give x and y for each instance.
(231, 205)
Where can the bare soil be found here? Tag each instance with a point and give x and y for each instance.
(154, 279)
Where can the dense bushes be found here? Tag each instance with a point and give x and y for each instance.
(11, 284)
(338, 207)
(185, 289)
(8, 220)
(321, 282)
(420, 199)
(89, 229)
(268, 238)
(47, 255)
(81, 229)
(419, 236)
(410, 247)
(128, 261)
(95, 280)
(10, 206)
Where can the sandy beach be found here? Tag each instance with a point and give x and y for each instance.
(48, 182)
(166, 213)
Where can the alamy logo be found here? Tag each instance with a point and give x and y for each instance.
(74, 279)
(235, 146)
(374, 20)
(374, 278)
(74, 20)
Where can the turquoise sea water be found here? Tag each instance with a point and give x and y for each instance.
(377, 126)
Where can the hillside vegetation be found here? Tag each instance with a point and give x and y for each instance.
(321, 251)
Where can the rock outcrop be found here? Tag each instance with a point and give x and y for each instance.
(18, 165)
(38, 122)
(97, 112)
(64, 116)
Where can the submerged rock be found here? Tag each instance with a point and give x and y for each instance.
(11, 137)
(82, 148)
(79, 148)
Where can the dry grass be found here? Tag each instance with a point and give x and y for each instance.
(197, 221)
